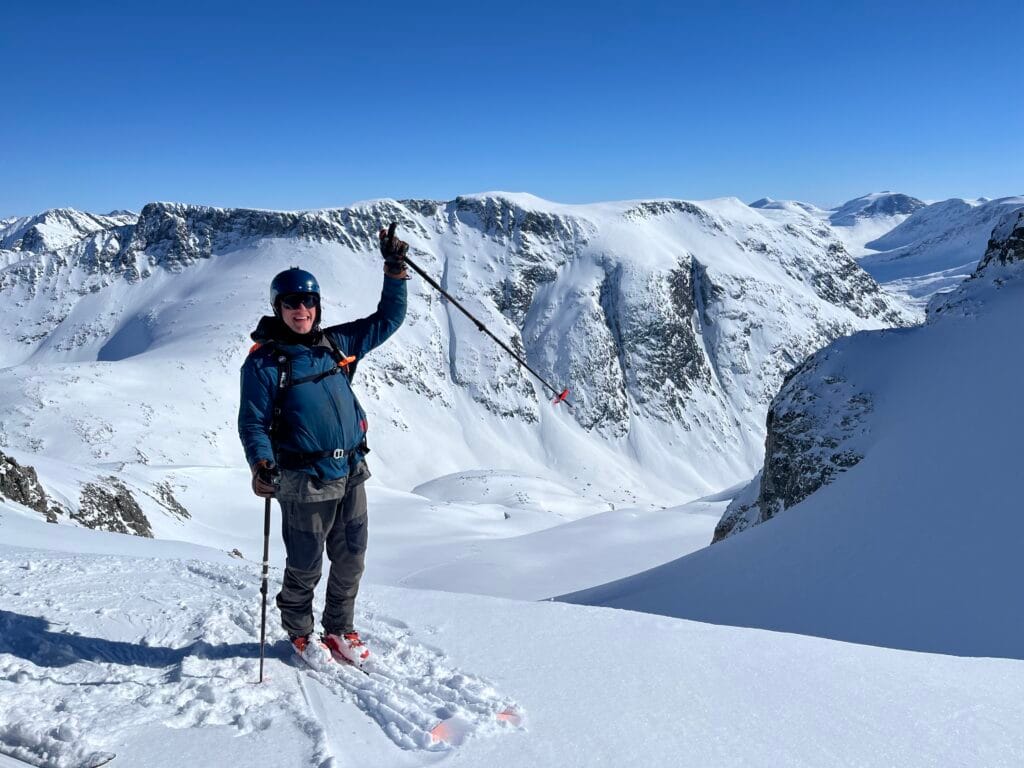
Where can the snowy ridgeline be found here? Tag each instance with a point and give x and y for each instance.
(891, 456)
(916, 250)
(673, 323)
(885, 450)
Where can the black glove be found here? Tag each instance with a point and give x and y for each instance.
(266, 479)
(393, 250)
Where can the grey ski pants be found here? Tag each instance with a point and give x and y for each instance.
(308, 526)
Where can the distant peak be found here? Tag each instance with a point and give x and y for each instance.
(875, 204)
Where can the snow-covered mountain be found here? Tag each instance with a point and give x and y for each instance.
(672, 322)
(936, 247)
(855, 222)
(819, 424)
(131, 384)
(890, 457)
(59, 228)
(874, 206)
(913, 248)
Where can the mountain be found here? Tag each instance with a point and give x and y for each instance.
(915, 249)
(874, 206)
(58, 228)
(672, 322)
(891, 455)
(854, 223)
(132, 384)
(935, 248)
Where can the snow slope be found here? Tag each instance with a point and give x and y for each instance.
(854, 223)
(937, 247)
(145, 650)
(673, 322)
(915, 249)
(914, 542)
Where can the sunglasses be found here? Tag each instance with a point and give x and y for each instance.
(296, 300)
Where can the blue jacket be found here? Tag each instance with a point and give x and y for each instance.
(315, 416)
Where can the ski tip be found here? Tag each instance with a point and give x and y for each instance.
(510, 716)
(451, 732)
(441, 732)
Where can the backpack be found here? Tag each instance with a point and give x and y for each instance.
(343, 364)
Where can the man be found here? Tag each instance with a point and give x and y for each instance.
(304, 435)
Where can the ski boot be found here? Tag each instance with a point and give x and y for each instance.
(347, 648)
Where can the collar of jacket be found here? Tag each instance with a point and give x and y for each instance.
(271, 328)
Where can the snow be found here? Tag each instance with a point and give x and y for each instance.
(915, 255)
(915, 547)
(938, 246)
(153, 659)
(486, 502)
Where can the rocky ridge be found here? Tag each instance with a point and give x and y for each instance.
(671, 316)
(818, 424)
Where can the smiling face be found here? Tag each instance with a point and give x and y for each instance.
(297, 315)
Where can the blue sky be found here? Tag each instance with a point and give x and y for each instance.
(306, 105)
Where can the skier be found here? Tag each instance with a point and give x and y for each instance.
(304, 435)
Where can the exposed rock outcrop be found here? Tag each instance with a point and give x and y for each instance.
(818, 422)
(21, 484)
(1003, 260)
(815, 426)
(111, 507)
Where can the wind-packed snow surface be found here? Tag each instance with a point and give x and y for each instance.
(145, 651)
(890, 497)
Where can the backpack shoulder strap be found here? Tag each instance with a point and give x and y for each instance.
(346, 362)
(284, 380)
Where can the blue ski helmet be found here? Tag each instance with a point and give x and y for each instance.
(292, 280)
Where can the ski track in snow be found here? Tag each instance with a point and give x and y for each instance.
(124, 644)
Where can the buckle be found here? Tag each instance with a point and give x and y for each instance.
(338, 454)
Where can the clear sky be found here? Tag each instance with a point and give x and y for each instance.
(306, 105)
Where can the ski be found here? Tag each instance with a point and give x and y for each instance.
(339, 659)
(335, 658)
(454, 730)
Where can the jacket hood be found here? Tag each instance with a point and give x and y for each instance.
(272, 328)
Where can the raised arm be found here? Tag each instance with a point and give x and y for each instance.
(360, 336)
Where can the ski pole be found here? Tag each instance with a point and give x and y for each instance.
(263, 586)
(560, 396)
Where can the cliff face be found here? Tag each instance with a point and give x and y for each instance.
(673, 323)
(105, 505)
(820, 423)
(816, 427)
